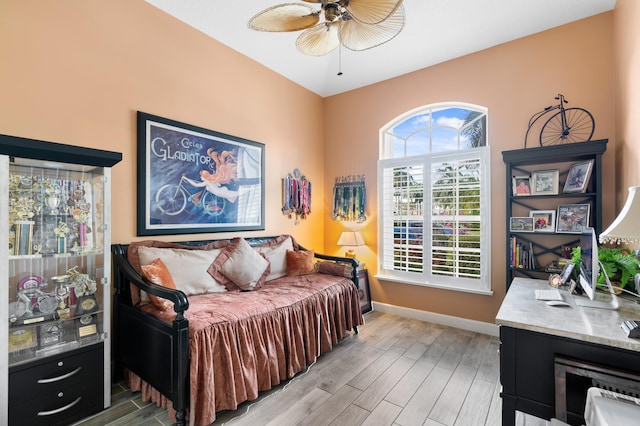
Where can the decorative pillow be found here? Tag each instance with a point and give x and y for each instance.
(276, 253)
(240, 267)
(300, 262)
(157, 273)
(134, 258)
(187, 267)
(338, 269)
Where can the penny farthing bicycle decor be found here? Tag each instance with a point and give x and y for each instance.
(562, 125)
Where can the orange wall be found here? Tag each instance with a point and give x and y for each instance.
(513, 81)
(626, 42)
(77, 72)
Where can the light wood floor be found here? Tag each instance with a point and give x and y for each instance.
(396, 371)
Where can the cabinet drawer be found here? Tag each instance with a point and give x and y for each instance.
(54, 374)
(61, 407)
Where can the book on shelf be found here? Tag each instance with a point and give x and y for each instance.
(522, 254)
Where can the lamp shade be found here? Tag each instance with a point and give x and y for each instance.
(351, 238)
(626, 227)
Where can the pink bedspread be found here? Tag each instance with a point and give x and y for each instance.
(243, 343)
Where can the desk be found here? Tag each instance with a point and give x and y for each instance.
(533, 333)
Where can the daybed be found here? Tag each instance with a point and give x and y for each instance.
(247, 328)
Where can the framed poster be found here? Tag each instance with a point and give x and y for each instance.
(543, 220)
(572, 218)
(193, 180)
(544, 182)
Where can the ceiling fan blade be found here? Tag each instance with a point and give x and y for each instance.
(372, 11)
(356, 35)
(285, 17)
(319, 40)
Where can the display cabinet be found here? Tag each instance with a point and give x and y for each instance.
(55, 277)
(530, 248)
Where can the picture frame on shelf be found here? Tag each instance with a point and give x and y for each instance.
(545, 182)
(543, 220)
(578, 177)
(521, 224)
(195, 180)
(572, 218)
(521, 186)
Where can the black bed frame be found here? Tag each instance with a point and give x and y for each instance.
(157, 351)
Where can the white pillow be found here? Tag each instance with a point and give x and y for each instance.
(187, 267)
(277, 257)
(244, 266)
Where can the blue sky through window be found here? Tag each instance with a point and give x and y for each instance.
(432, 131)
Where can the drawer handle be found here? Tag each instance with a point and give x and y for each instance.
(57, 379)
(59, 410)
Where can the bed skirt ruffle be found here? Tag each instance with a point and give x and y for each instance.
(242, 343)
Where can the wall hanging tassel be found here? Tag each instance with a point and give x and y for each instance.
(349, 199)
(296, 194)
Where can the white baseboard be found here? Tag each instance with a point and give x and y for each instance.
(448, 320)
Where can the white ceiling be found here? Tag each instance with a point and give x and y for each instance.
(435, 31)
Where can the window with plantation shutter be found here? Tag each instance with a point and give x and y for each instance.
(434, 199)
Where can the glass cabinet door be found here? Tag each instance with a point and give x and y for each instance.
(57, 282)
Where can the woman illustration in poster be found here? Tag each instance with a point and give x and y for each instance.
(222, 181)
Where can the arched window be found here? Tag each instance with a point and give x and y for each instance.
(434, 198)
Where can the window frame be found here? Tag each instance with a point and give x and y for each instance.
(482, 285)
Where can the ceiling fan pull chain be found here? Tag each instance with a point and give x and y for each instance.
(340, 59)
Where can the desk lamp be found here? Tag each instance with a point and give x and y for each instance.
(351, 239)
(626, 227)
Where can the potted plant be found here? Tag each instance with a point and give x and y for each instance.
(619, 263)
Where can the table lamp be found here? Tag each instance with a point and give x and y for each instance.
(626, 227)
(350, 239)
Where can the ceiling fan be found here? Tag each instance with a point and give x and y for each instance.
(355, 24)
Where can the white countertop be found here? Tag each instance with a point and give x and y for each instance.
(520, 309)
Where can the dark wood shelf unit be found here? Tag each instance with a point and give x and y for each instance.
(523, 162)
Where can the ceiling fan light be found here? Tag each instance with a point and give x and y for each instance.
(332, 12)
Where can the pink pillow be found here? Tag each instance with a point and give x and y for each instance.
(300, 262)
(157, 273)
(338, 269)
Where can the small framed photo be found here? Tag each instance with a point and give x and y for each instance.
(572, 218)
(578, 177)
(521, 185)
(543, 220)
(566, 272)
(521, 224)
(545, 182)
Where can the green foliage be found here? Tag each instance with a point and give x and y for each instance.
(620, 264)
